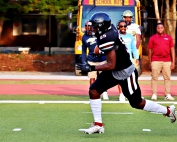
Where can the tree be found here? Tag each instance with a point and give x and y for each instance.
(170, 18)
(5, 6)
(165, 11)
(59, 8)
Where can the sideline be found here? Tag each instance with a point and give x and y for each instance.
(71, 102)
(62, 76)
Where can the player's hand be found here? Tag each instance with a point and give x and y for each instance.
(85, 67)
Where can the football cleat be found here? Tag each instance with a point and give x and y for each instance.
(172, 114)
(93, 129)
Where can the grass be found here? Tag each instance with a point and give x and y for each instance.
(60, 122)
(64, 98)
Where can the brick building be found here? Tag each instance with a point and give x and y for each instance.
(35, 32)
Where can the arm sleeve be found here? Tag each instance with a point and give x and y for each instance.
(134, 49)
(107, 41)
(84, 48)
(138, 31)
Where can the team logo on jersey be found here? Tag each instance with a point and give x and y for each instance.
(102, 36)
(92, 40)
(166, 38)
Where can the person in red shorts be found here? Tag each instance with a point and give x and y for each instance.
(161, 59)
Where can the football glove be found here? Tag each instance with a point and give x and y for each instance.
(85, 67)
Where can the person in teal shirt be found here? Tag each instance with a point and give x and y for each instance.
(131, 48)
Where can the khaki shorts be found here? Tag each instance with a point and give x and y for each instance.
(93, 74)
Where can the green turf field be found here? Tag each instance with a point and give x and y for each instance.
(67, 82)
(60, 122)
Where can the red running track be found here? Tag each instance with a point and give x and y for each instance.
(68, 89)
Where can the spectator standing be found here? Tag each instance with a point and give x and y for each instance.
(161, 59)
(135, 31)
(132, 28)
(131, 47)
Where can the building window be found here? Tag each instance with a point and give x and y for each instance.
(29, 25)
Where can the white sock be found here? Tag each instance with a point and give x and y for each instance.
(155, 107)
(96, 107)
(121, 94)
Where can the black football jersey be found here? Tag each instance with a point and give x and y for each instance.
(110, 40)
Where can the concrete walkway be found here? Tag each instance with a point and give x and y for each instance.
(61, 76)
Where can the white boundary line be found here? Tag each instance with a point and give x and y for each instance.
(112, 113)
(70, 102)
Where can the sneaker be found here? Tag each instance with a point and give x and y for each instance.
(171, 113)
(169, 97)
(122, 97)
(95, 128)
(105, 96)
(154, 97)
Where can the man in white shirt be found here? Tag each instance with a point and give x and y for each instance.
(132, 28)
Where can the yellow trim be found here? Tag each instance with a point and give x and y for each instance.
(136, 15)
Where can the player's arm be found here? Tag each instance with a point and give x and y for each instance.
(111, 61)
(106, 45)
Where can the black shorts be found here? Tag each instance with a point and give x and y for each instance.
(130, 86)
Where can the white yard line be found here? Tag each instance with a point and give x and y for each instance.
(70, 102)
(113, 112)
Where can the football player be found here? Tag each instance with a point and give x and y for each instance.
(117, 70)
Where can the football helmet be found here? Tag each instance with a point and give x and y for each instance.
(101, 21)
